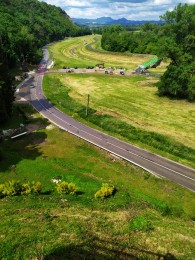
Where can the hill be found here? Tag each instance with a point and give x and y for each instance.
(26, 26)
(102, 21)
(30, 24)
(146, 218)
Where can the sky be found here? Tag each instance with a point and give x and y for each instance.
(131, 10)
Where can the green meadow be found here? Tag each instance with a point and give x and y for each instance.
(147, 218)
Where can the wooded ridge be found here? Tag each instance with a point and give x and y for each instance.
(26, 26)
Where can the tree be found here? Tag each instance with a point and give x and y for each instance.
(26, 26)
(6, 93)
(179, 45)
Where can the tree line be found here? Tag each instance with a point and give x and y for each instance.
(26, 26)
(173, 39)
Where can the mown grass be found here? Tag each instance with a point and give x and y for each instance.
(124, 112)
(147, 218)
(74, 52)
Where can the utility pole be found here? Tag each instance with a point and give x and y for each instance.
(87, 107)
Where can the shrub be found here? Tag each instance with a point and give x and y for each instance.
(106, 191)
(12, 188)
(36, 187)
(66, 188)
(2, 186)
(26, 189)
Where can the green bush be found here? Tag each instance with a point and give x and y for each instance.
(106, 191)
(26, 189)
(2, 186)
(12, 188)
(36, 187)
(66, 188)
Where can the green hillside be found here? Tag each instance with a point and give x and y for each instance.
(25, 27)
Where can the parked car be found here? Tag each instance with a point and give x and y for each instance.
(106, 72)
(90, 67)
(111, 72)
(122, 72)
(66, 67)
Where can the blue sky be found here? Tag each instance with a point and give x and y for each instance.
(132, 9)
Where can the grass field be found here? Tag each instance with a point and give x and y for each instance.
(133, 103)
(133, 99)
(147, 218)
(74, 52)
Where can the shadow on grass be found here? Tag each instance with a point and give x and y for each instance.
(26, 147)
(105, 250)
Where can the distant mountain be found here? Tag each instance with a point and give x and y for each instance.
(109, 21)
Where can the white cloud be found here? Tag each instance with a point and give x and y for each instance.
(131, 9)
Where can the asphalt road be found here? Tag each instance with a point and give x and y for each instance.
(153, 163)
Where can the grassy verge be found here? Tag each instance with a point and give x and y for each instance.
(154, 141)
(147, 218)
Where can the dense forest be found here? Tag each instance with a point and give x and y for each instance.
(174, 39)
(26, 26)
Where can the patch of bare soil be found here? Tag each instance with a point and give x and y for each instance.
(34, 127)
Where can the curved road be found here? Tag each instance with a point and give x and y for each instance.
(153, 163)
